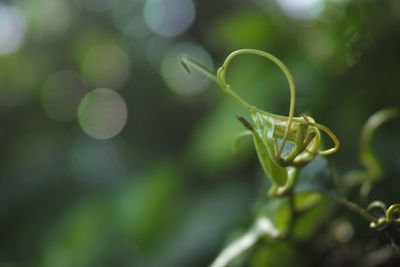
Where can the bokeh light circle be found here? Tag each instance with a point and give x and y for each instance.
(102, 113)
(176, 78)
(106, 65)
(169, 18)
(12, 29)
(302, 9)
(98, 6)
(48, 20)
(61, 95)
(128, 18)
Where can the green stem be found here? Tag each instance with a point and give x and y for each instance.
(354, 207)
(226, 87)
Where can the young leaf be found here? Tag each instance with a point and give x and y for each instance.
(265, 150)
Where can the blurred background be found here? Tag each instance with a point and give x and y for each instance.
(112, 155)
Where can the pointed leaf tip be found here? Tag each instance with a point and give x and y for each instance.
(245, 123)
(182, 60)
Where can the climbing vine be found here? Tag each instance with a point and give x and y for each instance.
(285, 145)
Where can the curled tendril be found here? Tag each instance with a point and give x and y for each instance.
(393, 214)
(227, 88)
(282, 168)
(331, 135)
(373, 169)
(388, 216)
(367, 157)
(221, 74)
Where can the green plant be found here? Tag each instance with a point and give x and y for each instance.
(285, 146)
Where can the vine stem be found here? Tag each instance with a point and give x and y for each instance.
(227, 88)
(220, 78)
(354, 207)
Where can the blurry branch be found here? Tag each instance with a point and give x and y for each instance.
(388, 220)
(354, 207)
(262, 227)
(367, 156)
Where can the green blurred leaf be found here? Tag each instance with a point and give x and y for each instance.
(245, 29)
(134, 212)
(211, 144)
(276, 254)
(201, 226)
(315, 208)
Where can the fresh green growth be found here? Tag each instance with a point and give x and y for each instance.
(270, 129)
(287, 144)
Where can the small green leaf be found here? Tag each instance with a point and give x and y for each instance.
(265, 147)
(314, 208)
(277, 174)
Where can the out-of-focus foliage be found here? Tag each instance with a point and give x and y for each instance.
(112, 155)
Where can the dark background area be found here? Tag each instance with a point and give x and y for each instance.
(141, 172)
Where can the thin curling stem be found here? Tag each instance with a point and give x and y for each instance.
(331, 135)
(354, 207)
(226, 87)
(368, 158)
(393, 213)
(220, 78)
